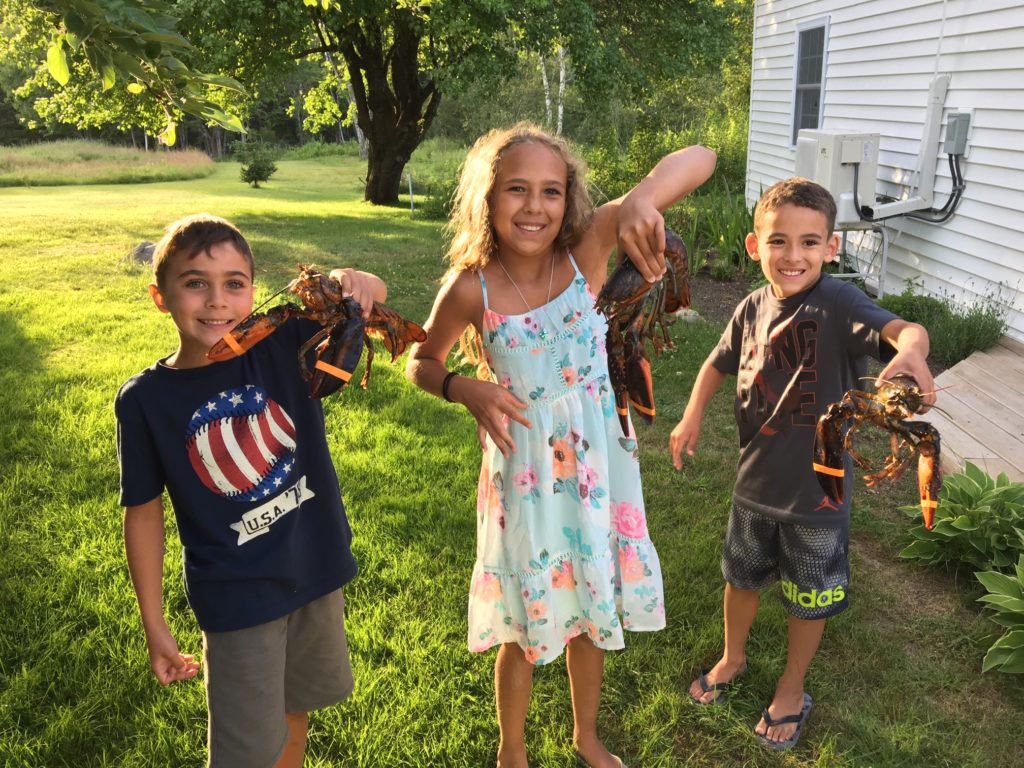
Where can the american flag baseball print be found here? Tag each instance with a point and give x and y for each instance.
(241, 444)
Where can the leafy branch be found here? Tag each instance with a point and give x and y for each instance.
(136, 41)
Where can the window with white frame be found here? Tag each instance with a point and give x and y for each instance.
(809, 77)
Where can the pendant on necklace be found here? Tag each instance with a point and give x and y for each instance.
(543, 334)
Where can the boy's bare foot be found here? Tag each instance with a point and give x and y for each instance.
(716, 681)
(512, 757)
(594, 754)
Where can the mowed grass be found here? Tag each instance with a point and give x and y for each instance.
(897, 681)
(80, 161)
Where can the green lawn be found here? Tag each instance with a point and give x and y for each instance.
(897, 681)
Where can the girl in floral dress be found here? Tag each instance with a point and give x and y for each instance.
(564, 559)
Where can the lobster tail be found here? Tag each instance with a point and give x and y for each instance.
(394, 330)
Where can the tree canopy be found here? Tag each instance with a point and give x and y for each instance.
(102, 42)
(384, 64)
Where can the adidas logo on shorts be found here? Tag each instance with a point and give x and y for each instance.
(816, 598)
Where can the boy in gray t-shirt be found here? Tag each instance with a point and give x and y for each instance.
(795, 346)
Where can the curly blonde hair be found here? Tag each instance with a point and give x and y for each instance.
(472, 237)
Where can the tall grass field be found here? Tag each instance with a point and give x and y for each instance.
(897, 681)
(80, 161)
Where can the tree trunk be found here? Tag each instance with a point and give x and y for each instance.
(561, 87)
(395, 101)
(364, 151)
(547, 90)
(383, 175)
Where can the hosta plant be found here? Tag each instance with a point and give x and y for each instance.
(979, 522)
(1006, 599)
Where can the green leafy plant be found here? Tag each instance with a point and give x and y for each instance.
(979, 522)
(1006, 599)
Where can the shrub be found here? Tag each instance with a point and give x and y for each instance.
(1006, 599)
(257, 161)
(917, 308)
(979, 522)
(313, 150)
(955, 331)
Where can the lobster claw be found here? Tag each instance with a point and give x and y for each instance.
(829, 466)
(337, 357)
(929, 476)
(249, 332)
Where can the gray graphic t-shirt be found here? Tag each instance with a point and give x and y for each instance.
(793, 357)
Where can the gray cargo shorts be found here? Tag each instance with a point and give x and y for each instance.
(297, 663)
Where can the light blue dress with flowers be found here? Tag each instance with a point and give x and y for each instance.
(562, 542)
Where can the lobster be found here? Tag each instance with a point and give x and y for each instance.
(896, 400)
(339, 345)
(636, 309)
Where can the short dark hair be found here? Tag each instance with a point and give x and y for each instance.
(193, 235)
(797, 191)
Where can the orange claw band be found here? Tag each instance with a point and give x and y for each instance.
(929, 503)
(828, 470)
(235, 346)
(648, 411)
(333, 370)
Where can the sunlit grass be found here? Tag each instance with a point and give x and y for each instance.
(80, 161)
(897, 681)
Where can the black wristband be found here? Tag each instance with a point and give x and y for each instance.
(444, 387)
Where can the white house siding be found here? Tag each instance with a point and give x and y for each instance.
(881, 56)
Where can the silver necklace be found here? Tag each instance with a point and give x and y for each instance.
(543, 331)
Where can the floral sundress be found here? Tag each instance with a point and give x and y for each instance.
(562, 542)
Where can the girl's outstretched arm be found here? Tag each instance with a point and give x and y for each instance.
(641, 227)
(634, 222)
(458, 305)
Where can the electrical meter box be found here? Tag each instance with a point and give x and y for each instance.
(829, 157)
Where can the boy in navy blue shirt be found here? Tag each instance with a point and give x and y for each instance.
(241, 450)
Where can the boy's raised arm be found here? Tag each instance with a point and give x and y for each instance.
(144, 549)
(912, 347)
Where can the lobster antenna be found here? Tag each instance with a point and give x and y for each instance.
(267, 301)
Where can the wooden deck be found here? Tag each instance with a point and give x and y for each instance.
(984, 407)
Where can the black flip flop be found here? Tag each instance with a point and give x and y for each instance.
(719, 689)
(797, 718)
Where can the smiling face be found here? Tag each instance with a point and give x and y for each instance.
(792, 243)
(527, 201)
(206, 295)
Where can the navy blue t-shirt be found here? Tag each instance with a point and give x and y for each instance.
(242, 451)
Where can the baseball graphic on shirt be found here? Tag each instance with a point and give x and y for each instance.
(241, 444)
